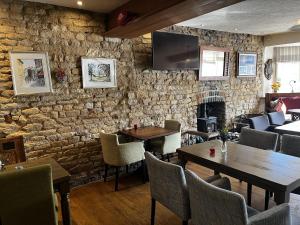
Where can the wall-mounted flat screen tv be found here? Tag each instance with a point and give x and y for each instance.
(175, 51)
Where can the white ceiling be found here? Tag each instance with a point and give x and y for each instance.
(259, 17)
(102, 6)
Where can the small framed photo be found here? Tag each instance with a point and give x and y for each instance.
(30, 72)
(98, 72)
(247, 64)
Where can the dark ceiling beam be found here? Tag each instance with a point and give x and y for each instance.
(157, 14)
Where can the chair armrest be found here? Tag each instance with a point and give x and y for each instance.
(279, 215)
(272, 128)
(223, 183)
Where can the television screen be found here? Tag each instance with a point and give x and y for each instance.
(174, 51)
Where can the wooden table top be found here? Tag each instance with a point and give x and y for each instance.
(59, 174)
(271, 169)
(290, 128)
(147, 133)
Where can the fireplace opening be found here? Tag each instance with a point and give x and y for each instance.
(211, 116)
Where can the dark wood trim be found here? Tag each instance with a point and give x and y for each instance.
(158, 14)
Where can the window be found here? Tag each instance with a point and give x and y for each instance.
(286, 72)
(288, 67)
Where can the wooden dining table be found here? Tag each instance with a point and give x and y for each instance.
(61, 182)
(148, 133)
(272, 171)
(290, 128)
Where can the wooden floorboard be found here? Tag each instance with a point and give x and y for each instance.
(98, 204)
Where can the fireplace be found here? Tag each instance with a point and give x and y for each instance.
(211, 112)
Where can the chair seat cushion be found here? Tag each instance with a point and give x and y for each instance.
(251, 211)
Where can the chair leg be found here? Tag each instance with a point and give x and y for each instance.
(267, 198)
(144, 171)
(162, 157)
(153, 204)
(117, 179)
(127, 169)
(105, 172)
(168, 157)
(249, 194)
(184, 222)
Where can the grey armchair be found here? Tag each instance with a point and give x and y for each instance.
(27, 197)
(290, 144)
(261, 123)
(258, 139)
(262, 140)
(168, 144)
(120, 154)
(168, 186)
(211, 205)
(277, 118)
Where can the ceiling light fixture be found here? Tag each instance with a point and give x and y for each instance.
(296, 28)
(80, 3)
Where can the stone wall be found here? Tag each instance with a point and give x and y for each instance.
(60, 125)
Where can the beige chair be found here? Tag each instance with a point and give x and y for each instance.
(120, 154)
(168, 144)
(27, 197)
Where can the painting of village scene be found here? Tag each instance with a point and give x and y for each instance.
(98, 73)
(31, 73)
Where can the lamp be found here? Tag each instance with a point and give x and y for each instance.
(292, 82)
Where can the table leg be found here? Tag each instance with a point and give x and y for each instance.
(281, 197)
(249, 194)
(182, 161)
(64, 191)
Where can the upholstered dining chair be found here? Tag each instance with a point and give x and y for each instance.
(27, 197)
(168, 186)
(168, 144)
(290, 144)
(118, 154)
(258, 139)
(213, 205)
(277, 118)
(261, 123)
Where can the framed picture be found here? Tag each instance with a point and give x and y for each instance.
(98, 72)
(30, 72)
(247, 64)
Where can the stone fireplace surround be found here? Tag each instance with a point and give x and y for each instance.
(60, 125)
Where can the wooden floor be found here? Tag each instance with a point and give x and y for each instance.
(98, 204)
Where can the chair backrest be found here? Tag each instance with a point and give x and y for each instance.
(109, 143)
(213, 205)
(12, 150)
(168, 185)
(259, 123)
(27, 197)
(276, 118)
(290, 144)
(258, 139)
(173, 125)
